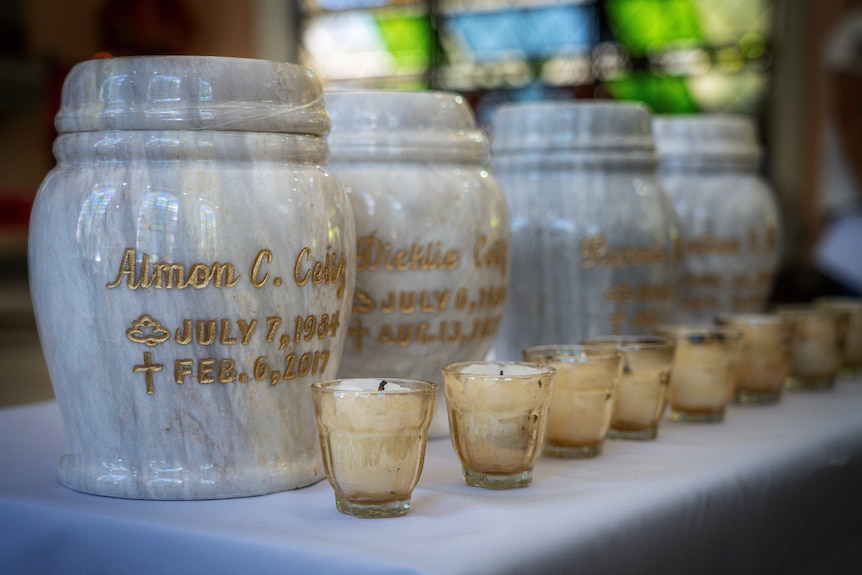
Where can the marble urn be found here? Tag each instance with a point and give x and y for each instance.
(432, 230)
(192, 266)
(731, 224)
(594, 237)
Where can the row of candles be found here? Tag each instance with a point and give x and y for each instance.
(565, 400)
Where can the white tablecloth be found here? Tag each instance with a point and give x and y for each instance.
(774, 489)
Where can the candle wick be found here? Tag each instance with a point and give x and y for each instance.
(382, 385)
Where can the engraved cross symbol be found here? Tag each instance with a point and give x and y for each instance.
(357, 331)
(147, 368)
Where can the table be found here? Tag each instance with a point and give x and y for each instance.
(773, 489)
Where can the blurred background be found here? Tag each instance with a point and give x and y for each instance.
(764, 58)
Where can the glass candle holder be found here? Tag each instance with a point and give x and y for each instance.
(641, 395)
(851, 354)
(583, 399)
(498, 413)
(816, 349)
(702, 377)
(763, 363)
(373, 435)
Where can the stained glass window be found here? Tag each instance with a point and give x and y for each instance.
(675, 55)
(368, 43)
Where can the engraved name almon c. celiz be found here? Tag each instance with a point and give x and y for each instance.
(307, 269)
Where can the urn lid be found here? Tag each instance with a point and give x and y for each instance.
(192, 93)
(722, 137)
(430, 125)
(571, 125)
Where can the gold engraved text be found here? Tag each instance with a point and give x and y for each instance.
(695, 281)
(706, 245)
(373, 254)
(449, 332)
(650, 292)
(256, 280)
(302, 365)
(404, 334)
(425, 301)
(595, 252)
(204, 332)
(495, 255)
(166, 275)
(206, 370)
(331, 270)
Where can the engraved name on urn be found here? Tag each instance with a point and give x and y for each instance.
(171, 275)
(372, 253)
(596, 251)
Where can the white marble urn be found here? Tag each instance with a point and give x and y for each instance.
(594, 238)
(729, 217)
(192, 267)
(432, 231)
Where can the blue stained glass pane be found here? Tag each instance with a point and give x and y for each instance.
(534, 33)
(560, 29)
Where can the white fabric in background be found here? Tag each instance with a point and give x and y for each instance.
(838, 253)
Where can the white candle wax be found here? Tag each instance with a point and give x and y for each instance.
(359, 405)
(368, 384)
(500, 368)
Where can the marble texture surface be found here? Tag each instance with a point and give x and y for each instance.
(190, 284)
(192, 93)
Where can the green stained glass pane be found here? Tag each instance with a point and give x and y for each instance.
(663, 94)
(408, 39)
(644, 26)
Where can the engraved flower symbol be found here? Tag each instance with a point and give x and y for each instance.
(620, 292)
(147, 331)
(362, 302)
